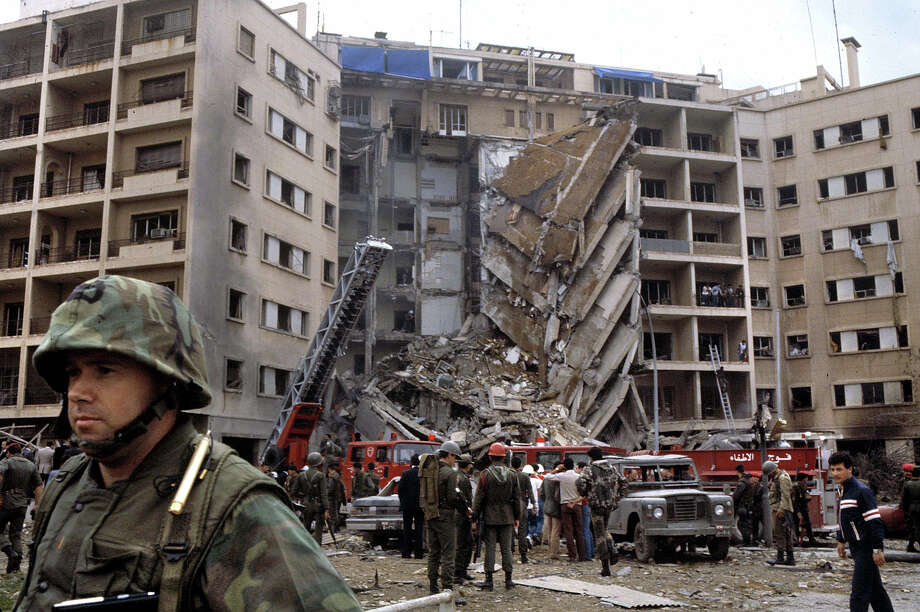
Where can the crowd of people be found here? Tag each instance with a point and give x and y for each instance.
(717, 294)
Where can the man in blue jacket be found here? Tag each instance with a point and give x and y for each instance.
(860, 525)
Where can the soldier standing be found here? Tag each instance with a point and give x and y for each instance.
(800, 497)
(360, 484)
(526, 492)
(336, 490)
(373, 479)
(781, 509)
(413, 516)
(19, 481)
(743, 498)
(310, 490)
(464, 520)
(910, 504)
(129, 359)
(603, 487)
(497, 497)
(441, 530)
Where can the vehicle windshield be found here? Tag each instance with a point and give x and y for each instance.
(640, 474)
(402, 453)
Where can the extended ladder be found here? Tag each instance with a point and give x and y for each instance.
(310, 378)
(722, 386)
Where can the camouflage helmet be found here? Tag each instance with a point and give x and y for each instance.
(143, 321)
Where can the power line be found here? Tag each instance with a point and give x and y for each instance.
(811, 25)
(837, 41)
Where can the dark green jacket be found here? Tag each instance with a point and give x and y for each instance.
(498, 496)
(910, 498)
(361, 486)
(310, 489)
(448, 499)
(525, 490)
(466, 492)
(19, 480)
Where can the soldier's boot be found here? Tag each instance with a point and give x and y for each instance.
(790, 559)
(13, 559)
(487, 584)
(779, 560)
(509, 583)
(523, 556)
(433, 587)
(910, 546)
(606, 567)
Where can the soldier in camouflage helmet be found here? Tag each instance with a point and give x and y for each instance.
(128, 358)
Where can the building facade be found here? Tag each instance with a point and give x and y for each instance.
(183, 142)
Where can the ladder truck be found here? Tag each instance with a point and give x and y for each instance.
(302, 404)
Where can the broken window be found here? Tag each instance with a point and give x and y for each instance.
(328, 271)
(831, 291)
(238, 235)
(550, 121)
(656, 291)
(783, 146)
(162, 88)
(328, 214)
(241, 169)
(711, 340)
(757, 246)
(233, 380)
(700, 142)
(889, 176)
(840, 395)
(303, 83)
(873, 393)
(765, 398)
(893, 233)
(158, 157)
(87, 243)
(509, 118)
(753, 196)
(350, 179)
(155, 226)
(792, 245)
(247, 43)
(801, 398)
(868, 339)
(797, 345)
(356, 109)
(760, 297)
(273, 381)
(855, 183)
(653, 234)
(907, 391)
(663, 350)
(404, 321)
(648, 137)
(653, 188)
(452, 120)
(235, 304)
(331, 158)
(787, 195)
(705, 237)
(861, 234)
(681, 92)
(851, 132)
(456, 69)
(243, 103)
(405, 143)
(823, 191)
(702, 192)
(864, 286)
(750, 148)
(286, 255)
(819, 139)
(291, 133)
(795, 295)
(763, 346)
(437, 225)
(898, 283)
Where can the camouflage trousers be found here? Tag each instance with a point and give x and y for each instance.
(313, 514)
(442, 550)
(604, 547)
(782, 531)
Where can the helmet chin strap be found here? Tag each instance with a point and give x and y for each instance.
(102, 449)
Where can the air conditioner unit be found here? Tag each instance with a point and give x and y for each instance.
(162, 232)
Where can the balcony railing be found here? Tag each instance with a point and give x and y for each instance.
(125, 106)
(717, 248)
(63, 122)
(27, 127)
(20, 193)
(11, 328)
(118, 178)
(39, 325)
(665, 245)
(87, 252)
(178, 240)
(127, 45)
(12, 260)
(18, 69)
(92, 53)
(71, 186)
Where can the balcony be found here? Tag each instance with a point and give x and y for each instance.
(68, 253)
(185, 101)
(188, 34)
(664, 245)
(18, 69)
(13, 259)
(39, 325)
(180, 168)
(24, 127)
(160, 242)
(63, 122)
(17, 194)
(94, 52)
(722, 249)
(71, 186)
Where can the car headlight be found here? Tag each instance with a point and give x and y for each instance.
(658, 512)
(719, 510)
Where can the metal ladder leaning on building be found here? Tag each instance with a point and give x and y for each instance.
(722, 386)
(312, 374)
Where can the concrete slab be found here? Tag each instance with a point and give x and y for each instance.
(616, 595)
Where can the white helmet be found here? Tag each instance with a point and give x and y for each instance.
(527, 469)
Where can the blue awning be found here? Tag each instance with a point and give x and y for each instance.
(409, 62)
(399, 62)
(365, 59)
(632, 75)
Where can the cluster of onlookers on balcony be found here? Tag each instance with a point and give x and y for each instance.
(717, 294)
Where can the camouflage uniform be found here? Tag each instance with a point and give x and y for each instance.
(92, 539)
(441, 530)
(310, 490)
(781, 501)
(336, 490)
(20, 480)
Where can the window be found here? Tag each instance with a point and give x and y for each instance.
(792, 245)
(331, 158)
(350, 179)
(873, 393)
(626, 87)
(864, 287)
(240, 169)
(819, 139)
(702, 192)
(831, 291)
(291, 133)
(750, 148)
(329, 214)
(87, 243)
(158, 157)
(93, 177)
(763, 346)
(801, 398)
(243, 103)
(783, 146)
(787, 195)
(282, 190)
(238, 235)
(765, 398)
(233, 378)
(279, 317)
(753, 196)
(889, 176)
(855, 183)
(760, 297)
(522, 118)
(663, 350)
(155, 226)
(167, 23)
(273, 381)
(656, 291)
(447, 68)
(28, 124)
(328, 271)
(653, 188)
(648, 137)
(710, 340)
(795, 295)
(861, 234)
(452, 120)
(681, 92)
(654, 234)
(705, 237)
(538, 122)
(883, 128)
(162, 88)
(798, 345)
(700, 142)
(823, 191)
(851, 132)
(757, 246)
(898, 283)
(280, 253)
(356, 108)
(95, 112)
(918, 171)
(907, 391)
(509, 118)
(550, 121)
(868, 339)
(302, 83)
(235, 303)
(247, 43)
(915, 114)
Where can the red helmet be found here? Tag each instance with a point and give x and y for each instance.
(497, 450)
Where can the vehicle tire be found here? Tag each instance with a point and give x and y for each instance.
(718, 548)
(643, 544)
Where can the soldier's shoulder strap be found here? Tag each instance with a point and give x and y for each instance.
(185, 538)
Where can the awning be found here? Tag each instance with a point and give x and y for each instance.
(632, 75)
(399, 62)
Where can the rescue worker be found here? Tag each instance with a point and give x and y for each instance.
(859, 524)
(497, 497)
(464, 520)
(526, 493)
(309, 490)
(802, 519)
(781, 511)
(129, 359)
(743, 500)
(442, 530)
(910, 505)
(335, 488)
(19, 481)
(602, 486)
